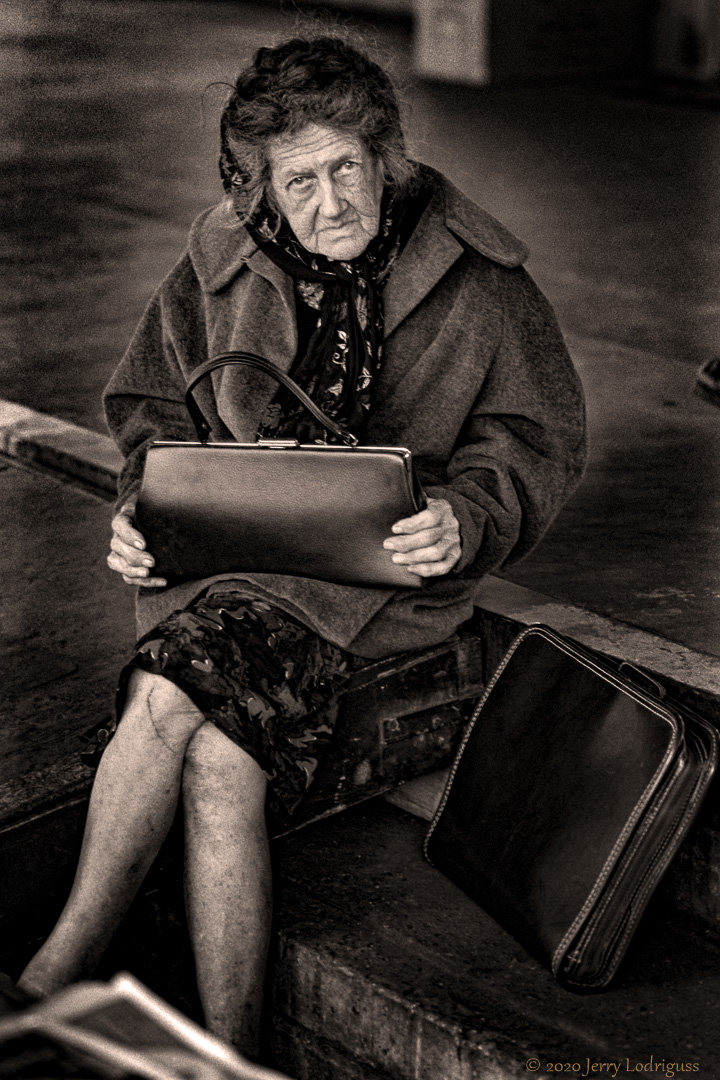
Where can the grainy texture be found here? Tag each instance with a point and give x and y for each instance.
(110, 153)
(615, 196)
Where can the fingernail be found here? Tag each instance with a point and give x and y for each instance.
(139, 544)
(147, 562)
(397, 558)
(389, 545)
(397, 528)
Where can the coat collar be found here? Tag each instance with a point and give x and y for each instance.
(477, 228)
(221, 248)
(450, 223)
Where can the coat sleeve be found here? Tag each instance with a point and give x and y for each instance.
(523, 447)
(145, 399)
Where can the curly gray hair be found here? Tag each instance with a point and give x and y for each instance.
(321, 80)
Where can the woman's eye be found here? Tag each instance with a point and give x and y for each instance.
(348, 170)
(299, 183)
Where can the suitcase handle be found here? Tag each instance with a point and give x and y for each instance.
(657, 687)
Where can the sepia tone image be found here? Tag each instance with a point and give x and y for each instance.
(360, 480)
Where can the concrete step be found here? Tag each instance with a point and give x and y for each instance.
(383, 970)
(67, 449)
(386, 970)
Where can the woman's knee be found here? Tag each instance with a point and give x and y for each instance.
(154, 700)
(216, 766)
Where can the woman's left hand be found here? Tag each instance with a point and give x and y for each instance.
(427, 543)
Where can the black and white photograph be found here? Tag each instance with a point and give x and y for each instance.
(359, 533)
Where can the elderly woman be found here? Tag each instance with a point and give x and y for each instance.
(404, 311)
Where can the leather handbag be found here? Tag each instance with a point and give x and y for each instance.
(275, 506)
(573, 788)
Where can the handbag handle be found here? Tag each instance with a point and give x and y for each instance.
(248, 359)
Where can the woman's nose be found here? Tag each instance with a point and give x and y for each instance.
(332, 204)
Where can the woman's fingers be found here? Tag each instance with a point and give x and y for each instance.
(432, 552)
(437, 569)
(128, 556)
(122, 526)
(134, 575)
(116, 560)
(427, 543)
(424, 538)
(150, 583)
(129, 553)
(428, 518)
(119, 563)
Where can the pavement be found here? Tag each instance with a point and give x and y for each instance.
(66, 625)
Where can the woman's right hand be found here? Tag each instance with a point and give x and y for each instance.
(128, 555)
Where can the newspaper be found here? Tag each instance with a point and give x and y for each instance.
(116, 1029)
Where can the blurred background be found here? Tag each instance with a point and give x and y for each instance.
(589, 127)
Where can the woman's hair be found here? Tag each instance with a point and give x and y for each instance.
(321, 80)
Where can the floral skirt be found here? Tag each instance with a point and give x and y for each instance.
(257, 674)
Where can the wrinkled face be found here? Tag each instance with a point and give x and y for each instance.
(328, 187)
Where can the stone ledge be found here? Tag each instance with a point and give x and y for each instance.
(386, 1029)
(384, 970)
(36, 438)
(387, 971)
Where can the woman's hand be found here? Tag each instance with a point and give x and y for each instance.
(127, 552)
(427, 543)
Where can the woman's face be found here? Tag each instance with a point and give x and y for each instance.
(328, 187)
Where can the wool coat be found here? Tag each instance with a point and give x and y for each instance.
(476, 381)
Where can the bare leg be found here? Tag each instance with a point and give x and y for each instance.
(131, 809)
(228, 883)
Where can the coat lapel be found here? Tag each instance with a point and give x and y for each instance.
(256, 314)
(264, 323)
(221, 248)
(430, 252)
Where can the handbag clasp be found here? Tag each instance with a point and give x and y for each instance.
(278, 444)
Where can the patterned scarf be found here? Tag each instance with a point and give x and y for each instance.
(340, 304)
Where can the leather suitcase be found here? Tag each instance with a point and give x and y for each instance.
(573, 788)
